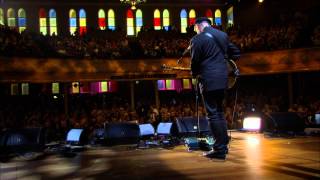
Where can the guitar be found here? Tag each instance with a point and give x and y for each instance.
(233, 71)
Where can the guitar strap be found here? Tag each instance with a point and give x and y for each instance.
(225, 53)
(218, 43)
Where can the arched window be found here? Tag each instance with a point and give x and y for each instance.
(1, 17)
(230, 16)
(43, 21)
(156, 20)
(82, 21)
(73, 21)
(139, 21)
(192, 17)
(102, 19)
(217, 17)
(209, 15)
(111, 20)
(166, 19)
(183, 20)
(11, 18)
(22, 22)
(53, 22)
(130, 23)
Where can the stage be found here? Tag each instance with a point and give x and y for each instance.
(251, 156)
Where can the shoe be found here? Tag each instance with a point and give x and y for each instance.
(215, 155)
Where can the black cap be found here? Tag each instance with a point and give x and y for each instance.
(202, 19)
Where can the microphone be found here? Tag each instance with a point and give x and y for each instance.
(183, 54)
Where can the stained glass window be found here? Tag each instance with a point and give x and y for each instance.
(24, 88)
(111, 20)
(55, 88)
(53, 22)
(166, 19)
(209, 15)
(130, 23)
(230, 16)
(139, 21)
(14, 89)
(161, 85)
(186, 83)
(75, 87)
(170, 85)
(157, 20)
(22, 22)
(217, 17)
(1, 17)
(103, 86)
(73, 21)
(102, 19)
(192, 17)
(82, 22)
(183, 20)
(11, 18)
(43, 21)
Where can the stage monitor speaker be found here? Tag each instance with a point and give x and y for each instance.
(122, 133)
(146, 130)
(24, 140)
(188, 126)
(285, 122)
(77, 137)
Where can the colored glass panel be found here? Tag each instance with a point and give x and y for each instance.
(25, 88)
(183, 21)
(111, 20)
(11, 18)
(217, 17)
(166, 19)
(82, 22)
(75, 87)
(22, 22)
(102, 19)
(192, 17)
(156, 20)
(14, 89)
(72, 21)
(169, 84)
(186, 84)
(130, 25)
(209, 15)
(53, 22)
(1, 17)
(230, 16)
(161, 85)
(43, 21)
(139, 21)
(55, 88)
(104, 86)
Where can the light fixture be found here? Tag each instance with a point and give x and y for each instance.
(133, 3)
(252, 123)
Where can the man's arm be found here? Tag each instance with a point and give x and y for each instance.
(233, 51)
(195, 52)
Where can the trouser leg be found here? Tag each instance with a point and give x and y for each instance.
(217, 123)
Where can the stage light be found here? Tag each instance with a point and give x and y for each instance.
(252, 123)
(261, 1)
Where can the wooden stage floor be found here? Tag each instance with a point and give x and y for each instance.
(251, 156)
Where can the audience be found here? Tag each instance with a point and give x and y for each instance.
(149, 43)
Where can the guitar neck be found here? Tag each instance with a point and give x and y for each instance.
(181, 68)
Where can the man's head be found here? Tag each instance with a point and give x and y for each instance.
(201, 23)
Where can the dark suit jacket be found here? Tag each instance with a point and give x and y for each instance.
(208, 59)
